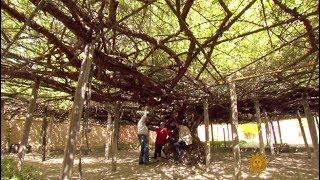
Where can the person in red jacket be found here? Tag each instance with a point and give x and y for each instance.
(161, 139)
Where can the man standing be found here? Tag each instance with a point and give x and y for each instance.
(143, 134)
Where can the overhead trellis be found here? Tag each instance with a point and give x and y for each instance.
(165, 53)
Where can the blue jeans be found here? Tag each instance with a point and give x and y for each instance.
(144, 152)
(177, 153)
(178, 146)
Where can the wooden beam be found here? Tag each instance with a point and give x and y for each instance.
(303, 135)
(27, 124)
(275, 72)
(234, 123)
(76, 113)
(258, 119)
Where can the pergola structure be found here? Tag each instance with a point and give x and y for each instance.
(187, 58)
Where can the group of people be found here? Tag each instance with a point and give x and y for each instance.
(177, 135)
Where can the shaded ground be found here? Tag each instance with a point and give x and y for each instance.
(285, 166)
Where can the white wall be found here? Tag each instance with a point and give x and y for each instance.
(290, 132)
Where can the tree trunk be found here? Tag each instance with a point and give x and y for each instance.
(44, 136)
(212, 138)
(27, 125)
(258, 118)
(234, 122)
(312, 129)
(279, 130)
(206, 121)
(303, 135)
(75, 114)
(268, 130)
(108, 137)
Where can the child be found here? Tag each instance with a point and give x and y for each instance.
(161, 139)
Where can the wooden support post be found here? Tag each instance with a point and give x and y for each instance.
(228, 132)
(317, 124)
(206, 122)
(230, 120)
(266, 131)
(317, 127)
(312, 129)
(8, 135)
(269, 133)
(27, 124)
(258, 119)
(2, 124)
(84, 130)
(224, 138)
(279, 130)
(303, 135)
(234, 123)
(108, 137)
(49, 139)
(76, 113)
(274, 136)
(115, 135)
(113, 147)
(44, 130)
(2, 110)
(212, 138)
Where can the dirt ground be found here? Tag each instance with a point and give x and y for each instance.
(284, 166)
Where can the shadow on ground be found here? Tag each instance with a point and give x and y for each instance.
(284, 166)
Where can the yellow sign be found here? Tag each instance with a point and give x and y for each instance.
(257, 163)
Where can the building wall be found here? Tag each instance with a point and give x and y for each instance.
(290, 132)
(57, 132)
